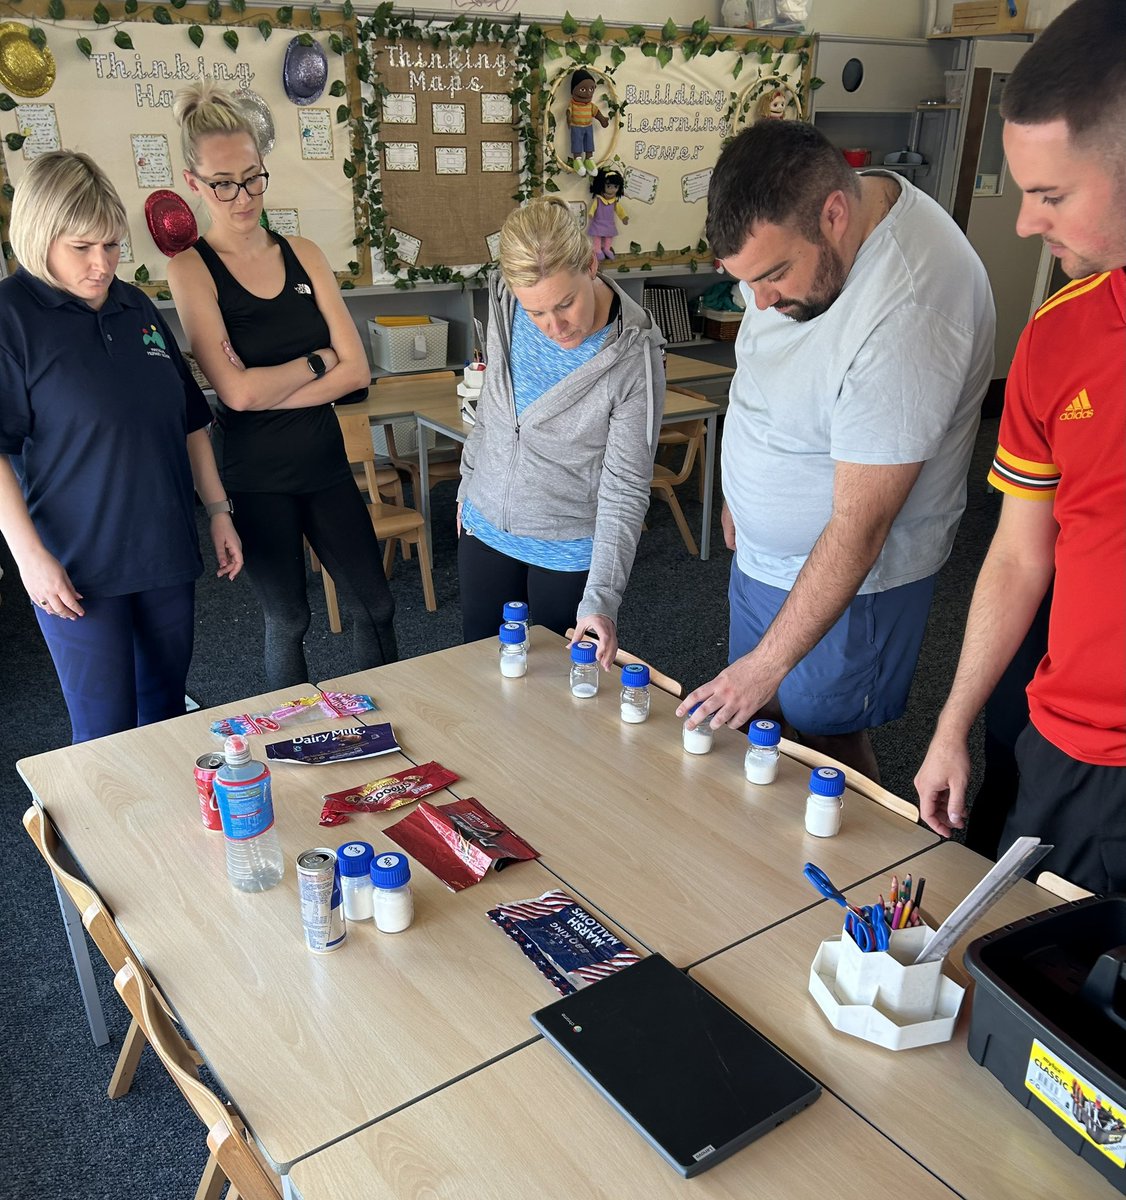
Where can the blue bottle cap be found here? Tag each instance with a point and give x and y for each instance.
(827, 781)
(390, 871)
(511, 634)
(516, 610)
(584, 652)
(635, 675)
(764, 733)
(355, 858)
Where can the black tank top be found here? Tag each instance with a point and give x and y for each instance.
(291, 450)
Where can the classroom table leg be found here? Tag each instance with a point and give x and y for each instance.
(424, 485)
(709, 485)
(83, 968)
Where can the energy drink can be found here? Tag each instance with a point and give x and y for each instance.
(205, 767)
(322, 902)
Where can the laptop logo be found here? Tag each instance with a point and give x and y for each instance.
(575, 1028)
(703, 1153)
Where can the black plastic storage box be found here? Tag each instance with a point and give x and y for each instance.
(1049, 1020)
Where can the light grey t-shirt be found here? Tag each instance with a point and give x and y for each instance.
(893, 372)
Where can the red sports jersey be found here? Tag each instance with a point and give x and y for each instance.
(1063, 440)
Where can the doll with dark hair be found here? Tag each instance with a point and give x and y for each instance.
(581, 115)
(606, 187)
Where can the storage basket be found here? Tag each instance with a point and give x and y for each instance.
(668, 306)
(721, 326)
(404, 348)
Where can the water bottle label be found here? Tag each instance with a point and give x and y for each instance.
(246, 808)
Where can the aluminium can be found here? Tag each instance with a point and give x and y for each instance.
(322, 901)
(205, 767)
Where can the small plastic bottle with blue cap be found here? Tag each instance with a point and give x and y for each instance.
(354, 859)
(761, 763)
(701, 739)
(513, 650)
(635, 693)
(392, 901)
(517, 610)
(825, 803)
(584, 670)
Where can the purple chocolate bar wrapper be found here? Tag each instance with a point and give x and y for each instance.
(335, 745)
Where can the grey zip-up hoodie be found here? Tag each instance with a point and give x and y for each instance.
(578, 461)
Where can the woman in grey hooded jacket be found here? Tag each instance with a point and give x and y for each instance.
(555, 475)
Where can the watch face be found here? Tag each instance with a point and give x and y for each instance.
(317, 365)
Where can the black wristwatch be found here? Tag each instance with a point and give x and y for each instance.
(317, 365)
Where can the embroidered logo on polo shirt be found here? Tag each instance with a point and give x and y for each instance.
(1079, 409)
(152, 337)
(302, 289)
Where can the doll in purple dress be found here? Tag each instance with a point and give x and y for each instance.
(606, 188)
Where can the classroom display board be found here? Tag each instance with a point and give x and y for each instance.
(106, 86)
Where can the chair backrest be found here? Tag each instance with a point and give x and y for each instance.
(225, 1132)
(694, 432)
(1058, 886)
(356, 430)
(95, 916)
(859, 783)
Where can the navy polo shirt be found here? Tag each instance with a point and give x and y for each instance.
(95, 410)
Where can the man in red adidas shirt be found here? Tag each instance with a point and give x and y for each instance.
(1061, 463)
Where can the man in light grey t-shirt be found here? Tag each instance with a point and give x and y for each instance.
(861, 366)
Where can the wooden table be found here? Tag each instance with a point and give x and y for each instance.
(681, 368)
(436, 406)
(670, 844)
(310, 1046)
(935, 1102)
(531, 1127)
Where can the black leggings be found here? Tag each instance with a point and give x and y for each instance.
(489, 579)
(336, 523)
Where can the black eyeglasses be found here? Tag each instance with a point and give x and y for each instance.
(227, 190)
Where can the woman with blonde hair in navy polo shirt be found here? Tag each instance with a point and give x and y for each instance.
(267, 323)
(103, 432)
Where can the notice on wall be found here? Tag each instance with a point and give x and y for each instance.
(400, 156)
(464, 94)
(39, 125)
(315, 131)
(284, 221)
(152, 160)
(408, 248)
(400, 108)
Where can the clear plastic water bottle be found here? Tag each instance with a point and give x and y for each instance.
(584, 670)
(635, 693)
(761, 764)
(517, 610)
(513, 650)
(246, 808)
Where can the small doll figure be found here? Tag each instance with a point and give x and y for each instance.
(581, 115)
(772, 106)
(606, 188)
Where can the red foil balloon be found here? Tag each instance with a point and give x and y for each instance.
(171, 222)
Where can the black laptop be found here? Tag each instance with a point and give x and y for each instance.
(695, 1079)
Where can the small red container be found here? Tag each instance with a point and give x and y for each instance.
(205, 767)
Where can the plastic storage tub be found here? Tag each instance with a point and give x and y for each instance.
(1049, 1021)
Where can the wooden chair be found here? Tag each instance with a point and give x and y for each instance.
(665, 481)
(103, 932)
(442, 463)
(1058, 886)
(859, 783)
(232, 1157)
(665, 682)
(393, 523)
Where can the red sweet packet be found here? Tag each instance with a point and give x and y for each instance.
(383, 794)
(459, 842)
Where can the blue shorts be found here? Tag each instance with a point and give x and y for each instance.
(582, 141)
(858, 675)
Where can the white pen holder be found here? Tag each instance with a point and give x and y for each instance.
(883, 996)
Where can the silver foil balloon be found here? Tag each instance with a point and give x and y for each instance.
(261, 120)
(305, 71)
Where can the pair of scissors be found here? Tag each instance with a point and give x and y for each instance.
(828, 889)
(868, 930)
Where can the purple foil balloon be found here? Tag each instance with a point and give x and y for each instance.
(305, 71)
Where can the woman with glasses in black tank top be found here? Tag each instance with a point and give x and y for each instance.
(267, 323)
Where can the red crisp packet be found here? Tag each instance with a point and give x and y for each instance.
(459, 842)
(383, 794)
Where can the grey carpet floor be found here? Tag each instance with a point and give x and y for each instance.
(63, 1137)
